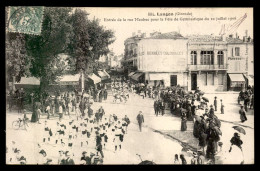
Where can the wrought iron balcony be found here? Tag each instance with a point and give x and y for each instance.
(207, 67)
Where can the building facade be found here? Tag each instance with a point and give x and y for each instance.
(162, 59)
(207, 63)
(240, 57)
(129, 61)
(204, 62)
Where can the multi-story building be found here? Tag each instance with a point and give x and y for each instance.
(240, 56)
(131, 49)
(162, 59)
(207, 63)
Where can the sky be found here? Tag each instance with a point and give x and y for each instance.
(124, 29)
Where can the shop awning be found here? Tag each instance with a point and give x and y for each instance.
(106, 73)
(103, 75)
(136, 76)
(95, 78)
(28, 81)
(69, 79)
(237, 77)
(250, 79)
(130, 74)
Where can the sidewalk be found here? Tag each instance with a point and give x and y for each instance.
(169, 125)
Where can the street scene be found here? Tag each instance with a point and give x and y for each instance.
(84, 90)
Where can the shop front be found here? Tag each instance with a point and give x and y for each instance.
(105, 77)
(138, 77)
(236, 82)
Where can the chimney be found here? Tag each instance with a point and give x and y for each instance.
(143, 35)
(236, 35)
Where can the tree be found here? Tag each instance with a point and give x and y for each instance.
(90, 41)
(16, 61)
(43, 50)
(100, 39)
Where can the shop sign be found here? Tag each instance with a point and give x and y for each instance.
(164, 53)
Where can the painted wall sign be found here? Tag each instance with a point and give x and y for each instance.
(163, 53)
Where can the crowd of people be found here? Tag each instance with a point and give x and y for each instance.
(120, 92)
(247, 97)
(91, 133)
(16, 98)
(91, 129)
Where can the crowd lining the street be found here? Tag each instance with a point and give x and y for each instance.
(87, 127)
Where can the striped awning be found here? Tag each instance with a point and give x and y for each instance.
(103, 75)
(136, 76)
(130, 74)
(106, 73)
(94, 78)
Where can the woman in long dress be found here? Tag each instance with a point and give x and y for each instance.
(242, 113)
(183, 122)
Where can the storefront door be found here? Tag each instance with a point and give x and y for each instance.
(193, 81)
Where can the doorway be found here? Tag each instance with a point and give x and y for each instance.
(193, 81)
(173, 80)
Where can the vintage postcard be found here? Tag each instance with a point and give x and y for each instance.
(138, 86)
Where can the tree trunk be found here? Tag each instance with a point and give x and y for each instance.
(82, 80)
(13, 83)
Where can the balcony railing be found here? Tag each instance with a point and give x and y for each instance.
(207, 67)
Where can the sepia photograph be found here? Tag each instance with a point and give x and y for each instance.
(129, 85)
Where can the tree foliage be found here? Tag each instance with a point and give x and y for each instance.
(16, 62)
(63, 32)
(43, 50)
(88, 33)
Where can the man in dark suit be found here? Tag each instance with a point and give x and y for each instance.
(162, 107)
(216, 103)
(159, 106)
(156, 107)
(140, 119)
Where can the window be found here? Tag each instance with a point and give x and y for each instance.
(193, 60)
(237, 51)
(220, 58)
(207, 58)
